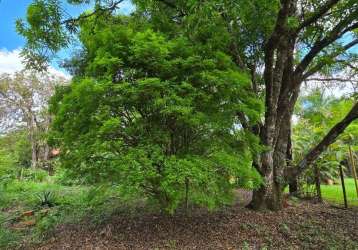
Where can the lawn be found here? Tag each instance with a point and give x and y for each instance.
(334, 193)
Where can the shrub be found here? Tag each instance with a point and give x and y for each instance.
(46, 198)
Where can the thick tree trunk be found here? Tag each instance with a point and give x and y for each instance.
(270, 194)
(283, 78)
(266, 197)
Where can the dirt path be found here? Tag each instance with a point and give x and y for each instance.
(300, 226)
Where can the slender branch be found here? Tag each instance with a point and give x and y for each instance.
(334, 79)
(110, 8)
(318, 14)
(348, 64)
(319, 66)
(337, 32)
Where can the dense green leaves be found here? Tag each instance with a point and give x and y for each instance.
(157, 116)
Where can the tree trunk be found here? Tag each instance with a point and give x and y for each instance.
(268, 196)
(33, 143)
(273, 163)
(293, 184)
(293, 187)
(317, 181)
(283, 78)
(33, 154)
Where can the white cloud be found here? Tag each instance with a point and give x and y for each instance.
(11, 61)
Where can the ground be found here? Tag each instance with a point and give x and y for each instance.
(302, 225)
(94, 218)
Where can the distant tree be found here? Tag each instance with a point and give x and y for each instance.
(23, 104)
(15, 153)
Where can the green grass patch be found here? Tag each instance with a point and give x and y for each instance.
(334, 193)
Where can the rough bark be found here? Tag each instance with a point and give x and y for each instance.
(282, 86)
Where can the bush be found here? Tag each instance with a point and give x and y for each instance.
(7, 166)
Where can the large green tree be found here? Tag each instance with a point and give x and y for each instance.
(155, 114)
(280, 44)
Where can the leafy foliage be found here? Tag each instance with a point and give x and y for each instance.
(15, 154)
(317, 113)
(46, 198)
(156, 115)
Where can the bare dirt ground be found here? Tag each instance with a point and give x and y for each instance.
(302, 225)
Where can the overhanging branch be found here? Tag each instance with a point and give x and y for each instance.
(330, 138)
(112, 7)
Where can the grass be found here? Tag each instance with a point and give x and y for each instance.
(334, 193)
(72, 203)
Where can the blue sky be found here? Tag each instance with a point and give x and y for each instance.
(10, 10)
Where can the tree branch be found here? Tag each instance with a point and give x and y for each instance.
(168, 3)
(316, 68)
(331, 79)
(112, 7)
(337, 32)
